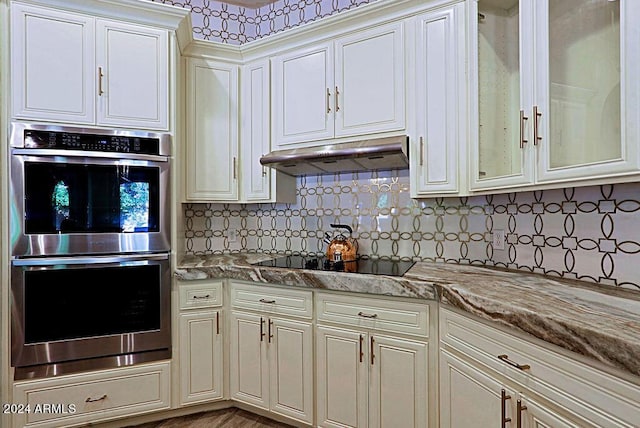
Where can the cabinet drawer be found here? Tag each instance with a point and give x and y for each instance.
(200, 294)
(75, 399)
(272, 300)
(378, 314)
(596, 395)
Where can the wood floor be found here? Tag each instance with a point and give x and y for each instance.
(226, 418)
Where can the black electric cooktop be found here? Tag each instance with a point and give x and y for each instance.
(368, 266)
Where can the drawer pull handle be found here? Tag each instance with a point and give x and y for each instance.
(270, 333)
(361, 353)
(267, 301)
(505, 358)
(363, 315)
(93, 400)
(217, 322)
(261, 329)
(372, 350)
(201, 297)
(503, 398)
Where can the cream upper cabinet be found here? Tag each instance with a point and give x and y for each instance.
(437, 160)
(353, 86)
(556, 97)
(212, 131)
(302, 103)
(133, 78)
(259, 183)
(74, 68)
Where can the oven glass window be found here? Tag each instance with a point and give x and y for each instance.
(63, 304)
(78, 198)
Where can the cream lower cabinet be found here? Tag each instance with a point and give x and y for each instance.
(271, 352)
(367, 376)
(489, 378)
(201, 342)
(78, 399)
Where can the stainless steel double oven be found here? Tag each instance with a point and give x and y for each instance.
(90, 239)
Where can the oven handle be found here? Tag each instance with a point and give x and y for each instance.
(83, 260)
(88, 154)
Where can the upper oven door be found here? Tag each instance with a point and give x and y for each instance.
(69, 203)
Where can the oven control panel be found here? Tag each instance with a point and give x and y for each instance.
(41, 139)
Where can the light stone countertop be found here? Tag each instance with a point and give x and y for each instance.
(599, 322)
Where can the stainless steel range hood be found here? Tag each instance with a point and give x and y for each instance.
(363, 155)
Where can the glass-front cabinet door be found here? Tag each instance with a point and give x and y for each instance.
(586, 113)
(558, 94)
(504, 73)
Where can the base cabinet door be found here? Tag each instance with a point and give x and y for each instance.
(201, 357)
(398, 379)
(291, 368)
(341, 362)
(248, 359)
(470, 398)
(368, 380)
(271, 363)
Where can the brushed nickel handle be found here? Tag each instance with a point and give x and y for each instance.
(261, 329)
(93, 400)
(267, 301)
(523, 141)
(217, 322)
(536, 115)
(506, 359)
(372, 354)
(504, 397)
(337, 94)
(364, 315)
(100, 76)
(206, 296)
(264, 171)
(361, 352)
(235, 168)
(421, 151)
(270, 333)
(519, 413)
(328, 101)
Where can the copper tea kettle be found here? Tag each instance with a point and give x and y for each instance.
(341, 248)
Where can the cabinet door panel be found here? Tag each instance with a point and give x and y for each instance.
(468, 397)
(583, 89)
(201, 362)
(398, 383)
(52, 65)
(291, 368)
(303, 89)
(537, 415)
(248, 359)
(370, 81)
(255, 138)
(134, 62)
(212, 134)
(440, 101)
(341, 377)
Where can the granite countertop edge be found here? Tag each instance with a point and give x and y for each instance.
(599, 322)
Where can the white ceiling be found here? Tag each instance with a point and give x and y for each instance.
(252, 4)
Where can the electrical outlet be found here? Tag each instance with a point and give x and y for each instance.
(232, 235)
(498, 239)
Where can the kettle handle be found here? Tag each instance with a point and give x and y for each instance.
(342, 226)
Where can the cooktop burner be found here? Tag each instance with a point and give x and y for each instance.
(368, 266)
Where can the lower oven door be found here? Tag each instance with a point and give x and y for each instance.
(75, 308)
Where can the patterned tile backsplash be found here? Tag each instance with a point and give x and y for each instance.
(587, 233)
(221, 22)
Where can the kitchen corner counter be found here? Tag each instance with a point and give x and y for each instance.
(599, 322)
